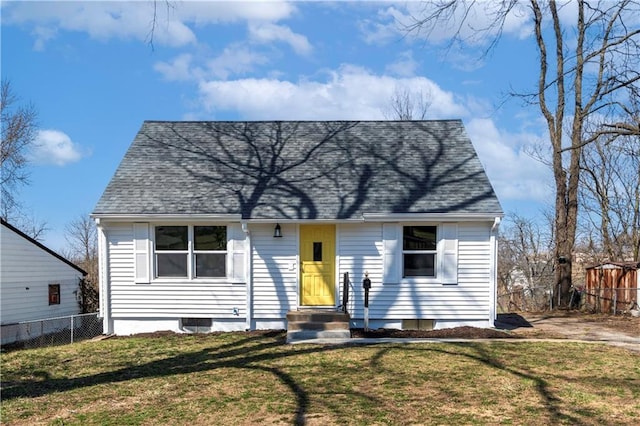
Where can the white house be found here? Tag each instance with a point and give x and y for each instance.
(231, 225)
(35, 282)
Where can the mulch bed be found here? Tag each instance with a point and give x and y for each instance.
(447, 333)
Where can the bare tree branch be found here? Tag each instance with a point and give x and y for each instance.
(19, 126)
(407, 105)
(584, 69)
(82, 238)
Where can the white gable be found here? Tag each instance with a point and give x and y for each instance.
(26, 271)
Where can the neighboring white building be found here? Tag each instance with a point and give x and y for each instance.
(35, 282)
(230, 225)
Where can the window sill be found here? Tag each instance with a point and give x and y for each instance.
(177, 280)
(420, 280)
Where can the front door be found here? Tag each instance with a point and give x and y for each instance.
(317, 258)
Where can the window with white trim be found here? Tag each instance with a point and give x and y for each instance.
(419, 249)
(198, 251)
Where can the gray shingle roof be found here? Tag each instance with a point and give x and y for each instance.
(299, 170)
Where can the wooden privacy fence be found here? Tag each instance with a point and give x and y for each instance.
(612, 287)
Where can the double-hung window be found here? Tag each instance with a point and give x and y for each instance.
(419, 248)
(190, 251)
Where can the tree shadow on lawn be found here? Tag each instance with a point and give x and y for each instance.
(558, 413)
(236, 354)
(249, 353)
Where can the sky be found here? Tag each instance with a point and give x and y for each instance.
(94, 71)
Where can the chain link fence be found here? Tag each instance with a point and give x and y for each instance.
(598, 300)
(52, 331)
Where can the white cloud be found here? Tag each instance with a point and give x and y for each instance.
(235, 59)
(348, 93)
(514, 174)
(399, 21)
(394, 22)
(179, 69)
(269, 32)
(104, 20)
(389, 26)
(43, 35)
(404, 66)
(54, 147)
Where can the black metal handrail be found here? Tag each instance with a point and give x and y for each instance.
(345, 292)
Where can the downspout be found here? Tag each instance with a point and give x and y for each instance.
(494, 271)
(248, 250)
(103, 279)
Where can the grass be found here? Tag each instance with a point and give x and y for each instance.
(249, 378)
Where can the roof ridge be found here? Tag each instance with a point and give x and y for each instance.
(443, 120)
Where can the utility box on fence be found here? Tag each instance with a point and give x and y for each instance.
(613, 287)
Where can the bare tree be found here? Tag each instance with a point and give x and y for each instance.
(31, 226)
(18, 133)
(526, 254)
(583, 70)
(407, 105)
(81, 235)
(610, 198)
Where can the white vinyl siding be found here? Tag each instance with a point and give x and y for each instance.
(275, 271)
(408, 299)
(474, 256)
(177, 298)
(26, 270)
(360, 248)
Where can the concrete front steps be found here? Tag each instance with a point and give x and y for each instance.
(317, 324)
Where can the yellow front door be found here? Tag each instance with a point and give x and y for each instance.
(317, 258)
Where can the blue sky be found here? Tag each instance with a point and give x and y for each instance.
(93, 76)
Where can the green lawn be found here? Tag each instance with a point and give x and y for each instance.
(249, 378)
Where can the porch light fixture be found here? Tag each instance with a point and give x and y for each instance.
(277, 232)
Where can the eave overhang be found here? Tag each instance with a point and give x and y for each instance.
(365, 217)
